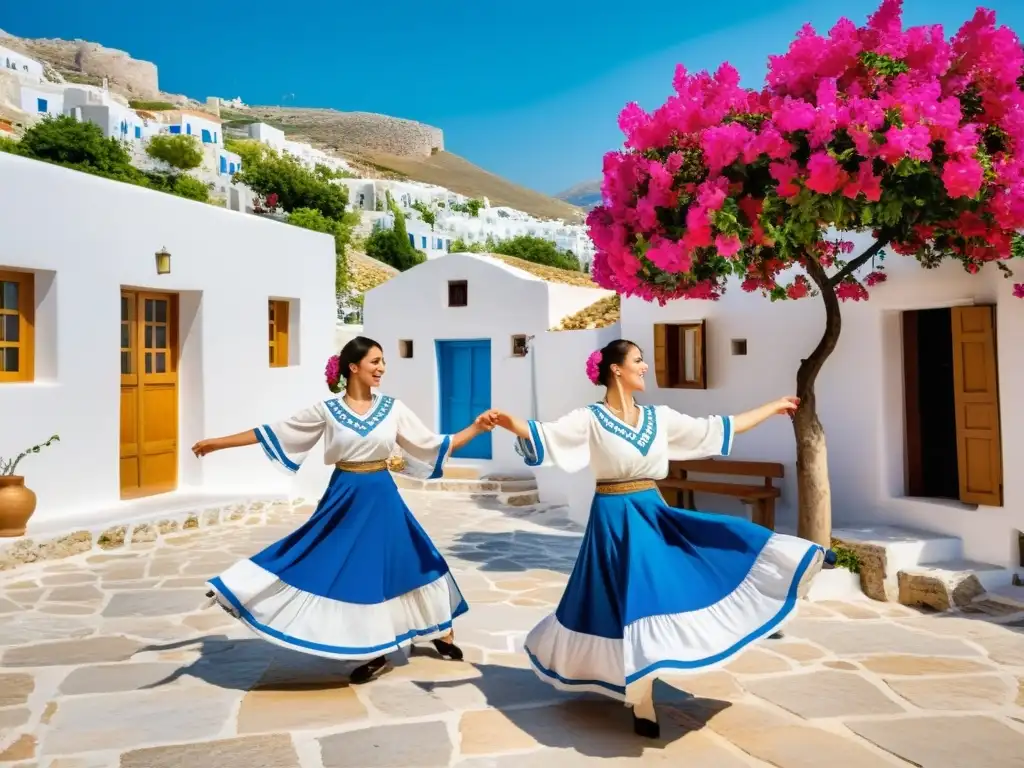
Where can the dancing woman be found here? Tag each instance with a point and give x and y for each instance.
(360, 578)
(654, 589)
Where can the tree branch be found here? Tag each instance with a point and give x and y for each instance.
(810, 367)
(858, 262)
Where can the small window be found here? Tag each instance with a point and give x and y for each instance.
(138, 132)
(739, 347)
(519, 345)
(17, 307)
(207, 139)
(223, 164)
(423, 240)
(680, 356)
(175, 129)
(278, 330)
(458, 293)
(188, 129)
(42, 105)
(405, 348)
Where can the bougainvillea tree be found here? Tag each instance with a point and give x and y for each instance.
(900, 133)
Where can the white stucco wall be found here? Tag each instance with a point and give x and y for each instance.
(859, 392)
(20, 63)
(225, 266)
(54, 96)
(502, 302)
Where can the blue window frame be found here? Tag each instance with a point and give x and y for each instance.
(42, 105)
(424, 241)
(214, 137)
(223, 164)
(188, 129)
(412, 240)
(175, 129)
(232, 168)
(207, 139)
(138, 132)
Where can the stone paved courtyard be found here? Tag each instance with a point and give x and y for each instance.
(109, 660)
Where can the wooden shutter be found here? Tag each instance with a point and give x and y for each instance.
(661, 355)
(976, 392)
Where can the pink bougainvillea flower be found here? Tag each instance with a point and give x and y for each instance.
(728, 245)
(962, 177)
(824, 174)
(1018, 290)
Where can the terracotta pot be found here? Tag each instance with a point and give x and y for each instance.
(17, 503)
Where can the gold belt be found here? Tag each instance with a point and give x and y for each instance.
(362, 466)
(619, 487)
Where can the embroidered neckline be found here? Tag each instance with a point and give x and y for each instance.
(641, 437)
(361, 425)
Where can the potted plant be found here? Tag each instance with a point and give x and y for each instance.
(17, 503)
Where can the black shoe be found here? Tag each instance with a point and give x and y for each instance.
(364, 672)
(448, 650)
(646, 728)
(830, 560)
(776, 636)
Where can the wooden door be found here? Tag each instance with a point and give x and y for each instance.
(976, 392)
(464, 372)
(149, 393)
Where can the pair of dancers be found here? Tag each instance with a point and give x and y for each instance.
(655, 590)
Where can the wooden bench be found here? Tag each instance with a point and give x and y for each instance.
(761, 497)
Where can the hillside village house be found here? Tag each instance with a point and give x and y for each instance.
(306, 154)
(217, 334)
(20, 63)
(463, 339)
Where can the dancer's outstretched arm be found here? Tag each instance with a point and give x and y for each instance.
(755, 417)
(212, 444)
(513, 424)
(482, 423)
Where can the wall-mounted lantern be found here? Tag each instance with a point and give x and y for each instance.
(163, 262)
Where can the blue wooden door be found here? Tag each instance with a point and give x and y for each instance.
(464, 379)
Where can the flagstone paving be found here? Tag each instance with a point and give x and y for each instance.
(111, 660)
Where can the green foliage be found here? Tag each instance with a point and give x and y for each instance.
(269, 173)
(8, 145)
(388, 246)
(341, 230)
(461, 246)
(845, 557)
(326, 173)
(65, 141)
(151, 106)
(249, 150)
(426, 214)
(471, 206)
(538, 250)
(179, 151)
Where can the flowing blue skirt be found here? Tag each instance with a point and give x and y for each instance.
(358, 580)
(658, 590)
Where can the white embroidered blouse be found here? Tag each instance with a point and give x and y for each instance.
(354, 438)
(593, 436)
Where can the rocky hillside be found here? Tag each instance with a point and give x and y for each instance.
(585, 195)
(378, 146)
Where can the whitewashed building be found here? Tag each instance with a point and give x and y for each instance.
(98, 106)
(12, 61)
(463, 343)
(193, 360)
(308, 155)
(917, 402)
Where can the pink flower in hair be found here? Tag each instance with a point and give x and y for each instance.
(593, 366)
(333, 373)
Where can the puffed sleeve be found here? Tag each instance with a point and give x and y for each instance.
(420, 442)
(564, 443)
(288, 442)
(692, 438)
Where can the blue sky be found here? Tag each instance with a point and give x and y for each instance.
(529, 90)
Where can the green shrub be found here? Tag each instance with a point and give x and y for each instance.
(151, 106)
(538, 250)
(845, 557)
(179, 151)
(267, 173)
(426, 214)
(66, 141)
(389, 246)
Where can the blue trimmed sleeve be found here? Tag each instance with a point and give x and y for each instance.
(287, 443)
(691, 438)
(564, 443)
(421, 443)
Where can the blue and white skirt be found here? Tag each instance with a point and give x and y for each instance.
(358, 580)
(657, 591)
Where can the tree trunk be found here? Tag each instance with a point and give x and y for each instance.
(814, 491)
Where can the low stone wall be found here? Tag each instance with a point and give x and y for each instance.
(141, 533)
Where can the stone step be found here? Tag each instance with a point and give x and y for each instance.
(885, 550)
(1010, 595)
(461, 473)
(949, 584)
(481, 486)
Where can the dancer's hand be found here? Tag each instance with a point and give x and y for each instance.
(486, 421)
(503, 420)
(204, 447)
(787, 405)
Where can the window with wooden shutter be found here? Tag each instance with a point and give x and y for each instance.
(17, 338)
(278, 330)
(680, 356)
(976, 396)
